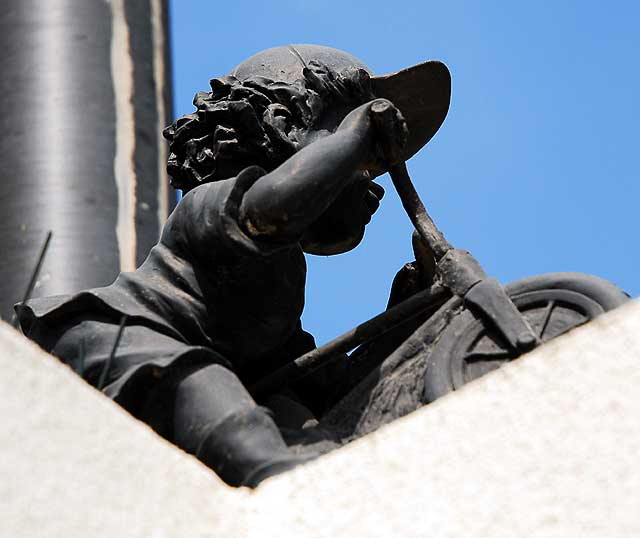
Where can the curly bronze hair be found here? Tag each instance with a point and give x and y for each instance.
(256, 121)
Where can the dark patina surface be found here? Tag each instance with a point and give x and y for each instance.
(278, 159)
(204, 340)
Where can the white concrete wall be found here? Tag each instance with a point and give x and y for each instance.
(547, 446)
(74, 464)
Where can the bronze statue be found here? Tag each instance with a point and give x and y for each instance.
(279, 159)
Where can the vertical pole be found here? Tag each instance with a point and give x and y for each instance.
(85, 89)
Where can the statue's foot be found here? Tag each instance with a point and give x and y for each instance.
(275, 467)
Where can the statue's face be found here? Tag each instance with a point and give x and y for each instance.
(341, 227)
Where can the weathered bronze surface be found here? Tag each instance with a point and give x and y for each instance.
(204, 340)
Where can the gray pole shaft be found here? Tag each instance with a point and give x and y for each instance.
(84, 94)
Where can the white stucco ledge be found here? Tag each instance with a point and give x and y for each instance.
(74, 464)
(547, 446)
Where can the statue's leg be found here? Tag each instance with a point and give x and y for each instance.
(180, 391)
(289, 412)
(216, 419)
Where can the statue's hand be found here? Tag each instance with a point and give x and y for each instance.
(391, 134)
(415, 276)
(382, 129)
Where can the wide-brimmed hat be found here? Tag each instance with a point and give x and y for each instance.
(421, 92)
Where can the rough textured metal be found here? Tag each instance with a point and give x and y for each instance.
(62, 132)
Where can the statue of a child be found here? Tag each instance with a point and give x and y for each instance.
(277, 160)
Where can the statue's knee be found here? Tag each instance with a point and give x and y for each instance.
(205, 398)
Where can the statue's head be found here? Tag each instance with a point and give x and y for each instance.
(281, 99)
(277, 101)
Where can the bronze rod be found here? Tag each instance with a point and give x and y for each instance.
(417, 213)
(376, 326)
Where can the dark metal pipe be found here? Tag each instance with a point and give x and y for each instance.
(84, 93)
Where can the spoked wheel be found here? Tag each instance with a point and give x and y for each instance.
(552, 304)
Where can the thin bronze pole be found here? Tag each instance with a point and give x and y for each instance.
(34, 275)
(417, 213)
(375, 327)
(107, 365)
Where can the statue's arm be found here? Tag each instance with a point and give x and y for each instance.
(283, 203)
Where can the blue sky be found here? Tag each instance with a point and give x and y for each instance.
(535, 169)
